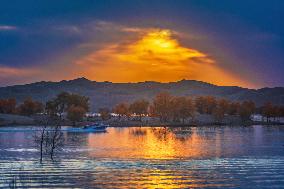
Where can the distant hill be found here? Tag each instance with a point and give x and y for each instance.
(107, 94)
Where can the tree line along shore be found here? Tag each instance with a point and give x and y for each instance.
(164, 109)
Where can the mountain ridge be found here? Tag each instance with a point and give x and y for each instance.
(107, 94)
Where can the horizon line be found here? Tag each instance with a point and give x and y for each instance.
(85, 78)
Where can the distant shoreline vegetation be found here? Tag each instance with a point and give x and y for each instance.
(163, 109)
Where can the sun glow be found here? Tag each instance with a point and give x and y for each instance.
(154, 54)
(159, 45)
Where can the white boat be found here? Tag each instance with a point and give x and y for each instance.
(96, 127)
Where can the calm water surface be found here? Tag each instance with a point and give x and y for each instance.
(191, 157)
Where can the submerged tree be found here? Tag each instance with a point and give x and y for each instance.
(49, 139)
(55, 140)
(40, 139)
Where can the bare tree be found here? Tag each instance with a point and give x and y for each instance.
(49, 140)
(40, 138)
(55, 141)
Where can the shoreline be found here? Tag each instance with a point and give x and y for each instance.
(154, 125)
(199, 121)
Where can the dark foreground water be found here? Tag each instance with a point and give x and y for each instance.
(206, 157)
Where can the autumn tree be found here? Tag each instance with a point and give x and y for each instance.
(221, 109)
(200, 104)
(276, 112)
(247, 108)
(190, 108)
(182, 108)
(177, 104)
(267, 111)
(8, 106)
(205, 104)
(30, 107)
(121, 109)
(139, 107)
(76, 113)
(162, 106)
(78, 101)
(218, 114)
(60, 104)
(224, 105)
(105, 113)
(52, 108)
(211, 104)
(151, 111)
(234, 108)
(70, 104)
(281, 111)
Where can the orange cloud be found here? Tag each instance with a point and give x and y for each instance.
(11, 75)
(153, 55)
(9, 71)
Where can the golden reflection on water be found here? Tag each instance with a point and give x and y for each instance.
(151, 143)
(150, 158)
(157, 145)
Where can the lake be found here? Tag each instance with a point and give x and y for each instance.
(187, 157)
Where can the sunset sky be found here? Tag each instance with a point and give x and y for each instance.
(221, 42)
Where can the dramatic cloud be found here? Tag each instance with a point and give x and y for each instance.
(106, 51)
(153, 54)
(103, 41)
